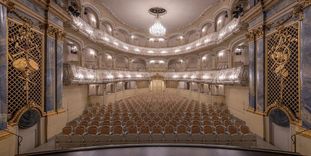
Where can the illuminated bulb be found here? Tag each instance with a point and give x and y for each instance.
(150, 52)
(126, 47)
(137, 50)
(198, 44)
(161, 61)
(204, 58)
(139, 75)
(161, 39)
(110, 76)
(177, 50)
(193, 77)
(151, 39)
(220, 54)
(188, 48)
(106, 39)
(93, 19)
(120, 76)
(219, 21)
(109, 57)
(181, 37)
(206, 40)
(92, 52)
(152, 61)
(181, 61)
(205, 77)
(164, 51)
(175, 76)
(115, 43)
(185, 76)
(129, 76)
(132, 36)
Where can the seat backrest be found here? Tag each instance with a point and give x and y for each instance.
(105, 130)
(92, 130)
(220, 129)
(156, 129)
(181, 129)
(67, 130)
(232, 129)
(208, 129)
(195, 129)
(132, 129)
(244, 129)
(80, 130)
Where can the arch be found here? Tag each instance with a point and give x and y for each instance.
(91, 15)
(287, 111)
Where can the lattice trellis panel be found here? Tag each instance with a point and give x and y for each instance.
(16, 83)
(282, 69)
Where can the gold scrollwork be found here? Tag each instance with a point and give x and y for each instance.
(282, 70)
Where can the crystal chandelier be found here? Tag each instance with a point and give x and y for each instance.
(157, 29)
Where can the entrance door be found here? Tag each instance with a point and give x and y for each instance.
(280, 136)
(30, 138)
(157, 85)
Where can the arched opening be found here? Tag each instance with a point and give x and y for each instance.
(279, 129)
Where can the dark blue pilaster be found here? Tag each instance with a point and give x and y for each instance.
(3, 68)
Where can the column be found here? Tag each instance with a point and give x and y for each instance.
(50, 73)
(3, 68)
(260, 73)
(252, 71)
(59, 71)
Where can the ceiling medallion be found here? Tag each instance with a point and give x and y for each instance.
(157, 29)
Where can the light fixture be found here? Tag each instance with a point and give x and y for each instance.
(161, 61)
(152, 61)
(161, 39)
(106, 39)
(109, 57)
(175, 76)
(220, 54)
(188, 48)
(132, 36)
(92, 52)
(137, 50)
(204, 58)
(115, 43)
(157, 29)
(151, 39)
(150, 52)
(198, 44)
(177, 50)
(181, 37)
(126, 47)
(163, 51)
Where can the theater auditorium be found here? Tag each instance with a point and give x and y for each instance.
(155, 77)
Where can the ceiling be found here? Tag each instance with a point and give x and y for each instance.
(180, 13)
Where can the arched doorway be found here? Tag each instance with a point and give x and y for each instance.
(157, 83)
(279, 129)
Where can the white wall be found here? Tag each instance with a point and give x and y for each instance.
(75, 99)
(237, 101)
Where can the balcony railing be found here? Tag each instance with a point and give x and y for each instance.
(210, 39)
(79, 75)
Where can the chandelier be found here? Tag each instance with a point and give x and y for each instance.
(157, 29)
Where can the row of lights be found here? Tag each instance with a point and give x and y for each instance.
(136, 49)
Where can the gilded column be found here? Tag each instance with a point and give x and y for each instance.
(3, 68)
